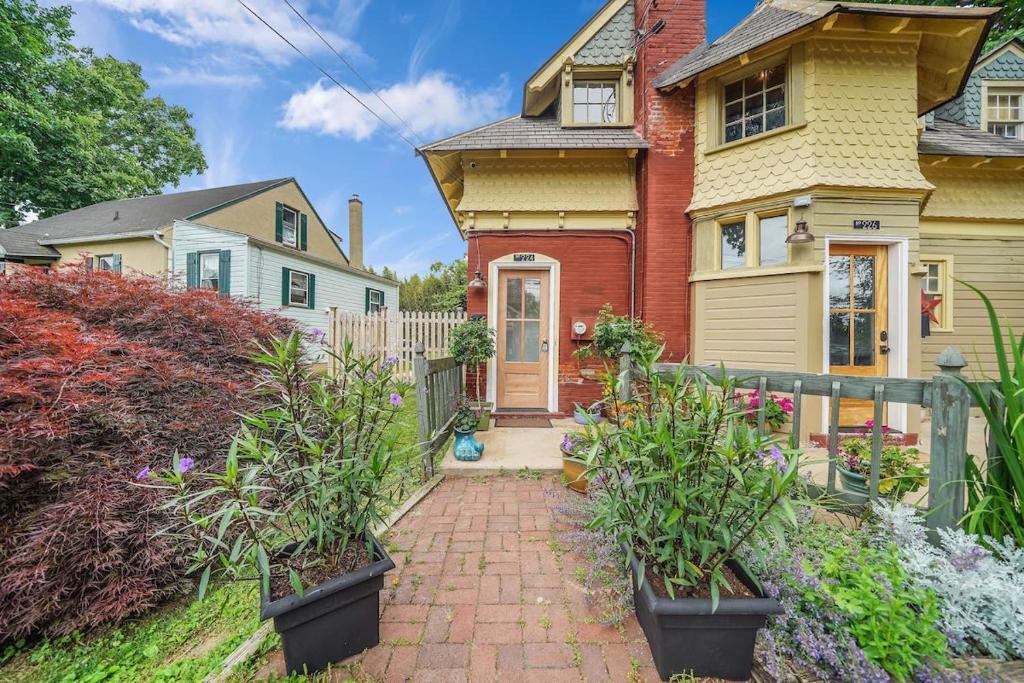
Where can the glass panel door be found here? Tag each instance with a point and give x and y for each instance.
(522, 319)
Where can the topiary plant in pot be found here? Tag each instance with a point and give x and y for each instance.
(471, 344)
(296, 501)
(684, 487)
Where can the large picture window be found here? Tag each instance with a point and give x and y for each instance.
(755, 104)
(595, 102)
(1006, 114)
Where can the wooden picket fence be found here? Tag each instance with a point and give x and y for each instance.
(394, 333)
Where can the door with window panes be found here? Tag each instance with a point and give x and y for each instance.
(523, 344)
(858, 320)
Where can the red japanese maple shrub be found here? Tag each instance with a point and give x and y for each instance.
(100, 376)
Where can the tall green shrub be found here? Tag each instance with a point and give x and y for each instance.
(612, 331)
(471, 344)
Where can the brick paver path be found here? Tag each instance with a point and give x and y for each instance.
(485, 591)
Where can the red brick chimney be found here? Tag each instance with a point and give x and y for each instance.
(665, 173)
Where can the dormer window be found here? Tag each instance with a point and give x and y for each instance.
(595, 102)
(1006, 114)
(755, 104)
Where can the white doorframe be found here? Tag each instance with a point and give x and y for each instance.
(553, 267)
(899, 314)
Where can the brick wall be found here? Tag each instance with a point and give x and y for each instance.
(665, 173)
(594, 268)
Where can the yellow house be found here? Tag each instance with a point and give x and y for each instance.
(829, 203)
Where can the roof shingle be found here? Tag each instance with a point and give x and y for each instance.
(543, 132)
(947, 138)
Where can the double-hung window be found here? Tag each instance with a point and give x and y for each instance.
(374, 300)
(595, 102)
(109, 262)
(209, 270)
(298, 289)
(289, 226)
(1005, 114)
(755, 104)
(936, 284)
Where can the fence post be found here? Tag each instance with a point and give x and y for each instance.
(951, 409)
(626, 373)
(419, 365)
(332, 340)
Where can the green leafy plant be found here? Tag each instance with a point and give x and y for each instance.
(777, 409)
(900, 472)
(466, 419)
(302, 484)
(994, 493)
(612, 331)
(471, 344)
(688, 482)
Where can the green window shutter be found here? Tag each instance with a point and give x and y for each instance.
(279, 223)
(117, 263)
(192, 269)
(286, 280)
(367, 292)
(311, 296)
(302, 234)
(224, 273)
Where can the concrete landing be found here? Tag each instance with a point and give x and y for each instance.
(510, 449)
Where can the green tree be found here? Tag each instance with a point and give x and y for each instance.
(442, 289)
(77, 128)
(1008, 24)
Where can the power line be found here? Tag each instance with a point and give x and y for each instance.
(324, 72)
(351, 68)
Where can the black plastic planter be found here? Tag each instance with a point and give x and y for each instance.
(686, 638)
(334, 620)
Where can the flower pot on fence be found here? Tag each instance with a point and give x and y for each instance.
(574, 470)
(686, 638)
(334, 620)
(854, 482)
(467, 448)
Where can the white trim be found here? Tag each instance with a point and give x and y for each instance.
(899, 313)
(554, 268)
(100, 238)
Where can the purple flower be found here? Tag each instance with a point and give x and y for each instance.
(389, 361)
(396, 400)
(371, 376)
(143, 473)
(777, 456)
(316, 333)
(185, 464)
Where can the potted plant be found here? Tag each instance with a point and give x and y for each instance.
(465, 423)
(574, 449)
(295, 502)
(686, 487)
(777, 409)
(591, 414)
(471, 344)
(900, 472)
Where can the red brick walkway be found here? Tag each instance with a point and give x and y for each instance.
(485, 591)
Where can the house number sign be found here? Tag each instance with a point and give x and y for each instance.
(524, 257)
(862, 224)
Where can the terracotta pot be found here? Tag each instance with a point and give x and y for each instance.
(575, 472)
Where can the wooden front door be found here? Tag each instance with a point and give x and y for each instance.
(858, 320)
(522, 367)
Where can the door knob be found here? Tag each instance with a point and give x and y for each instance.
(544, 346)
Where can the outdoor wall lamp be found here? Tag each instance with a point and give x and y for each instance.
(478, 280)
(801, 235)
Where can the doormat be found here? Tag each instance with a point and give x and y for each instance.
(522, 421)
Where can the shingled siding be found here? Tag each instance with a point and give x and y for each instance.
(966, 109)
(613, 42)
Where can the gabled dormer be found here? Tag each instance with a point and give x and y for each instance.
(589, 81)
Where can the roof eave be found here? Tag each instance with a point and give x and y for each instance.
(103, 237)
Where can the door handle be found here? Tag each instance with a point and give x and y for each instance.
(544, 346)
(884, 338)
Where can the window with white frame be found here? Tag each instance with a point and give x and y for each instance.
(108, 262)
(298, 289)
(209, 270)
(755, 104)
(595, 102)
(374, 300)
(289, 226)
(772, 245)
(936, 284)
(733, 245)
(1006, 114)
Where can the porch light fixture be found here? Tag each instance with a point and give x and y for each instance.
(478, 280)
(801, 235)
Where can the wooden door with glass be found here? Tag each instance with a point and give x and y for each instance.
(523, 344)
(858, 320)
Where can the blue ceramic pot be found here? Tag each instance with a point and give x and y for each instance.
(467, 448)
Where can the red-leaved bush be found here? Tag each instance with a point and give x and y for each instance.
(100, 376)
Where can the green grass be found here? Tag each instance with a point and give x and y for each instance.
(184, 640)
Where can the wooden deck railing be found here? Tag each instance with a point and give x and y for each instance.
(945, 394)
(439, 382)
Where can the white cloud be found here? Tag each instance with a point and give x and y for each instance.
(432, 106)
(204, 76)
(190, 23)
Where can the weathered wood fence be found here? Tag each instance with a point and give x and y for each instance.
(393, 333)
(439, 382)
(945, 394)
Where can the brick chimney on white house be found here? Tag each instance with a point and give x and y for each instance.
(355, 232)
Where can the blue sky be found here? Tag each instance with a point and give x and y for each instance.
(261, 111)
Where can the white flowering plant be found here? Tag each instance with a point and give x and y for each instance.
(304, 481)
(979, 582)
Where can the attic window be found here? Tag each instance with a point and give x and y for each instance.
(755, 104)
(595, 102)
(289, 225)
(1006, 114)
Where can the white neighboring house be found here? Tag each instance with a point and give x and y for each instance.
(296, 284)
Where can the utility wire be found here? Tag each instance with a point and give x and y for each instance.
(329, 76)
(351, 68)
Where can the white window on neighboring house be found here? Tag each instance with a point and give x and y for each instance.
(209, 270)
(289, 226)
(109, 262)
(374, 300)
(298, 289)
(755, 104)
(1005, 114)
(595, 102)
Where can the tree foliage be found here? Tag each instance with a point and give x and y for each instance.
(77, 128)
(1008, 24)
(442, 289)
